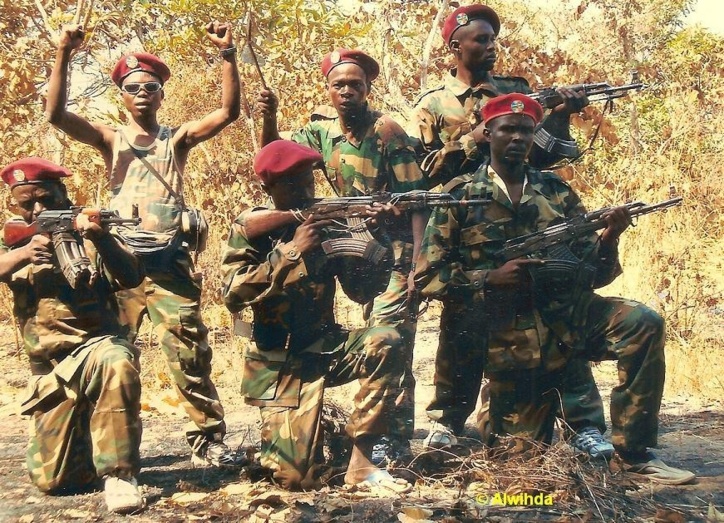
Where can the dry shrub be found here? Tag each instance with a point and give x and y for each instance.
(522, 468)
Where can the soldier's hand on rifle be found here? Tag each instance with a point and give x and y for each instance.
(308, 235)
(220, 34)
(268, 103)
(89, 228)
(380, 211)
(512, 274)
(573, 101)
(39, 250)
(71, 36)
(617, 220)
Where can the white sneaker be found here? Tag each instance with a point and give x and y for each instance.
(440, 436)
(123, 495)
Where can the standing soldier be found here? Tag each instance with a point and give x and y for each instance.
(366, 152)
(535, 316)
(84, 396)
(145, 162)
(299, 349)
(450, 143)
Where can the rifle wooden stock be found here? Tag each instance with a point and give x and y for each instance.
(264, 221)
(16, 232)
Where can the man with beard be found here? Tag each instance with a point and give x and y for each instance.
(366, 152)
(450, 143)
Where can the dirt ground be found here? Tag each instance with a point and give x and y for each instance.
(691, 437)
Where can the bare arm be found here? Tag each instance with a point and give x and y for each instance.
(268, 103)
(195, 132)
(97, 135)
(121, 263)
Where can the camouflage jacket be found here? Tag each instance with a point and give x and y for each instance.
(443, 120)
(292, 300)
(458, 250)
(54, 318)
(382, 159)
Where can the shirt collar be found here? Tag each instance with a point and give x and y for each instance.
(497, 180)
(460, 88)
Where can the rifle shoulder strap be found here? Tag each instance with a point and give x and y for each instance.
(456, 182)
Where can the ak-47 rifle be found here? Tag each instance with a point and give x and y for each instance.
(597, 92)
(50, 222)
(532, 245)
(349, 216)
(67, 247)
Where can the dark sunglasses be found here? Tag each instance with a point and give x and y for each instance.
(149, 87)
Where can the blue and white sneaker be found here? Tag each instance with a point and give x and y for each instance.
(591, 441)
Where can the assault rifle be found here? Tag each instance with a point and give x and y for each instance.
(534, 243)
(597, 92)
(349, 216)
(51, 222)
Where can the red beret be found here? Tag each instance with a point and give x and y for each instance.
(31, 170)
(351, 56)
(139, 62)
(282, 158)
(462, 16)
(514, 103)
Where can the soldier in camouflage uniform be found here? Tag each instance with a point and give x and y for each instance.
(366, 152)
(447, 131)
(531, 321)
(145, 163)
(85, 391)
(298, 348)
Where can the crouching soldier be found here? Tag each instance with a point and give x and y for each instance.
(299, 349)
(84, 393)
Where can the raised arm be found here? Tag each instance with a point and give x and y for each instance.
(194, 132)
(97, 135)
(268, 103)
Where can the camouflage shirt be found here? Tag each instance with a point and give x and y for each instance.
(379, 159)
(458, 251)
(292, 299)
(54, 318)
(443, 120)
(149, 177)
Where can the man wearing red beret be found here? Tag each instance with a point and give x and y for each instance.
(366, 152)
(450, 143)
(445, 123)
(145, 161)
(85, 393)
(299, 349)
(532, 317)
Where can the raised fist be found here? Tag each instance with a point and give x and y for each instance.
(220, 34)
(71, 36)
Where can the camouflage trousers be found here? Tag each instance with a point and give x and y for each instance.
(392, 309)
(525, 402)
(459, 367)
(291, 437)
(172, 301)
(85, 417)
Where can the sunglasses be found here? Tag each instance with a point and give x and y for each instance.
(149, 87)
